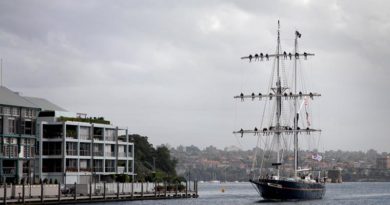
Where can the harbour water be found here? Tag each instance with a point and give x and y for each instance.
(356, 193)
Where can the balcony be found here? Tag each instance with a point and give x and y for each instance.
(98, 153)
(110, 154)
(85, 153)
(110, 169)
(9, 170)
(72, 169)
(52, 152)
(98, 137)
(121, 139)
(85, 137)
(121, 154)
(110, 138)
(121, 169)
(71, 152)
(98, 169)
(86, 169)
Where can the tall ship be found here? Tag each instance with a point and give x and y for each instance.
(287, 123)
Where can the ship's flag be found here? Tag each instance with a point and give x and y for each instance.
(316, 157)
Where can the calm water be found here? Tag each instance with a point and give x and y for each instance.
(366, 193)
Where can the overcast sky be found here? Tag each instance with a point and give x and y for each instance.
(169, 69)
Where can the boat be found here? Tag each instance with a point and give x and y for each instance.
(300, 183)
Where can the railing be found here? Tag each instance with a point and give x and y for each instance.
(98, 153)
(51, 152)
(121, 169)
(121, 154)
(71, 137)
(120, 139)
(98, 137)
(9, 170)
(85, 137)
(110, 169)
(110, 138)
(71, 152)
(85, 153)
(72, 169)
(110, 154)
(86, 169)
(49, 136)
(98, 169)
(51, 169)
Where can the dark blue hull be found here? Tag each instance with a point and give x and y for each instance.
(271, 189)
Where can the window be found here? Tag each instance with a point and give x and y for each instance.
(1, 125)
(15, 111)
(6, 111)
(71, 148)
(28, 127)
(85, 149)
(11, 126)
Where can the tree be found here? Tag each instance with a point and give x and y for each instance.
(149, 161)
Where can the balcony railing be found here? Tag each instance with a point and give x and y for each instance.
(51, 169)
(71, 152)
(110, 169)
(98, 153)
(121, 154)
(110, 138)
(121, 139)
(121, 170)
(98, 169)
(71, 137)
(9, 170)
(110, 154)
(98, 137)
(72, 169)
(86, 169)
(51, 152)
(85, 153)
(85, 137)
(52, 136)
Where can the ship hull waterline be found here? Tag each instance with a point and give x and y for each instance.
(284, 190)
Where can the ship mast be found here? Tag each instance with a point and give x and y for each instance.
(296, 115)
(278, 94)
(278, 102)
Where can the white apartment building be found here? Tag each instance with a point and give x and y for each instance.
(82, 150)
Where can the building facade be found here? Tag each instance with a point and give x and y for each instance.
(82, 152)
(41, 141)
(383, 163)
(18, 119)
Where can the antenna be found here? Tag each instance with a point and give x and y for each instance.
(1, 73)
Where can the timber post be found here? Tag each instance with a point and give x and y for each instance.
(117, 190)
(59, 192)
(41, 192)
(186, 189)
(75, 191)
(5, 192)
(23, 192)
(142, 189)
(104, 190)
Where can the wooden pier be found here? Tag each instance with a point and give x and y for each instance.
(26, 194)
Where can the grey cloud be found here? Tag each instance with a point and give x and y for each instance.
(169, 69)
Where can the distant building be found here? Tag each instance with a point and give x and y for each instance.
(383, 162)
(334, 175)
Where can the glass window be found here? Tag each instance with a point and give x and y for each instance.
(15, 111)
(11, 126)
(6, 111)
